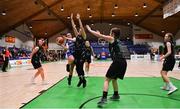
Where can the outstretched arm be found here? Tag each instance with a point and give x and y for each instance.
(81, 26)
(99, 35)
(72, 39)
(73, 25)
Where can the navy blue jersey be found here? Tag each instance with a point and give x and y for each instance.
(71, 45)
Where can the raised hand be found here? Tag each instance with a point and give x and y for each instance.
(78, 16)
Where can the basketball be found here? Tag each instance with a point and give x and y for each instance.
(60, 40)
(71, 58)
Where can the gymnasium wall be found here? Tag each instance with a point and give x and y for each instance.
(156, 41)
(126, 31)
(177, 38)
(17, 41)
(21, 40)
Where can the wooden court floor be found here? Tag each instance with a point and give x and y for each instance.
(16, 88)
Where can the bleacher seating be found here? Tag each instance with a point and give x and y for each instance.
(138, 49)
(17, 53)
(127, 45)
(99, 48)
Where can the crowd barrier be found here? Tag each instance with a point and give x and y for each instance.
(20, 62)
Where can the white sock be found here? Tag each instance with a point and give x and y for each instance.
(170, 84)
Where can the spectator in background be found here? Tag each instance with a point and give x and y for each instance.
(6, 56)
(59, 55)
(152, 54)
(179, 59)
(55, 56)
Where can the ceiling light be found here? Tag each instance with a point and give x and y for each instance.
(144, 6)
(113, 15)
(90, 16)
(162, 31)
(115, 6)
(30, 27)
(3, 13)
(129, 23)
(68, 17)
(110, 24)
(62, 8)
(88, 8)
(136, 15)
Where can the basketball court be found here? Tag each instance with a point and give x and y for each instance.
(139, 89)
(57, 33)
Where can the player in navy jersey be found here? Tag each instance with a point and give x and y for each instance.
(70, 45)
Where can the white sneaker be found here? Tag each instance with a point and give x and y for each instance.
(172, 90)
(32, 81)
(86, 75)
(165, 88)
(44, 83)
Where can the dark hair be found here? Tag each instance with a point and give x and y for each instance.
(40, 39)
(116, 32)
(171, 37)
(37, 42)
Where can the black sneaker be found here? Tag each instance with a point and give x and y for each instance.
(79, 83)
(102, 102)
(84, 83)
(115, 98)
(69, 81)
